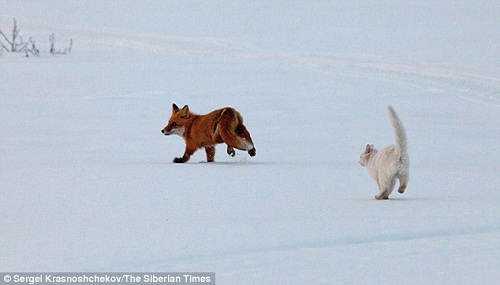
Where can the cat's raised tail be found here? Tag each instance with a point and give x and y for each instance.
(399, 132)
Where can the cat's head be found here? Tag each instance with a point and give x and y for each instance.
(365, 155)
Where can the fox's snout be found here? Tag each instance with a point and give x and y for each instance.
(168, 130)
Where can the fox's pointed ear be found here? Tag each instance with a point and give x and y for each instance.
(174, 108)
(185, 112)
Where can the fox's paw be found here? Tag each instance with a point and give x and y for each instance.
(252, 152)
(231, 151)
(178, 160)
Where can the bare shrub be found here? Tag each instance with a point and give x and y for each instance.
(13, 42)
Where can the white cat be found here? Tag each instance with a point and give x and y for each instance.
(390, 163)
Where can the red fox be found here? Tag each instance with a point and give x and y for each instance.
(220, 126)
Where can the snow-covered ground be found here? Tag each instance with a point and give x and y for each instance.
(87, 181)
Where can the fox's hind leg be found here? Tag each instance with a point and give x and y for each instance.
(230, 150)
(243, 133)
(234, 133)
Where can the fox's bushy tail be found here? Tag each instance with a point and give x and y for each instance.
(399, 131)
(233, 132)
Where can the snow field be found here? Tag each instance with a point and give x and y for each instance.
(87, 182)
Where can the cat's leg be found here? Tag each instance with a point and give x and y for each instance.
(403, 182)
(381, 196)
(390, 186)
(382, 192)
(385, 186)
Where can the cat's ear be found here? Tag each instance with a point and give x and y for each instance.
(368, 148)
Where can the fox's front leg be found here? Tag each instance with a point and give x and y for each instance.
(185, 157)
(210, 150)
